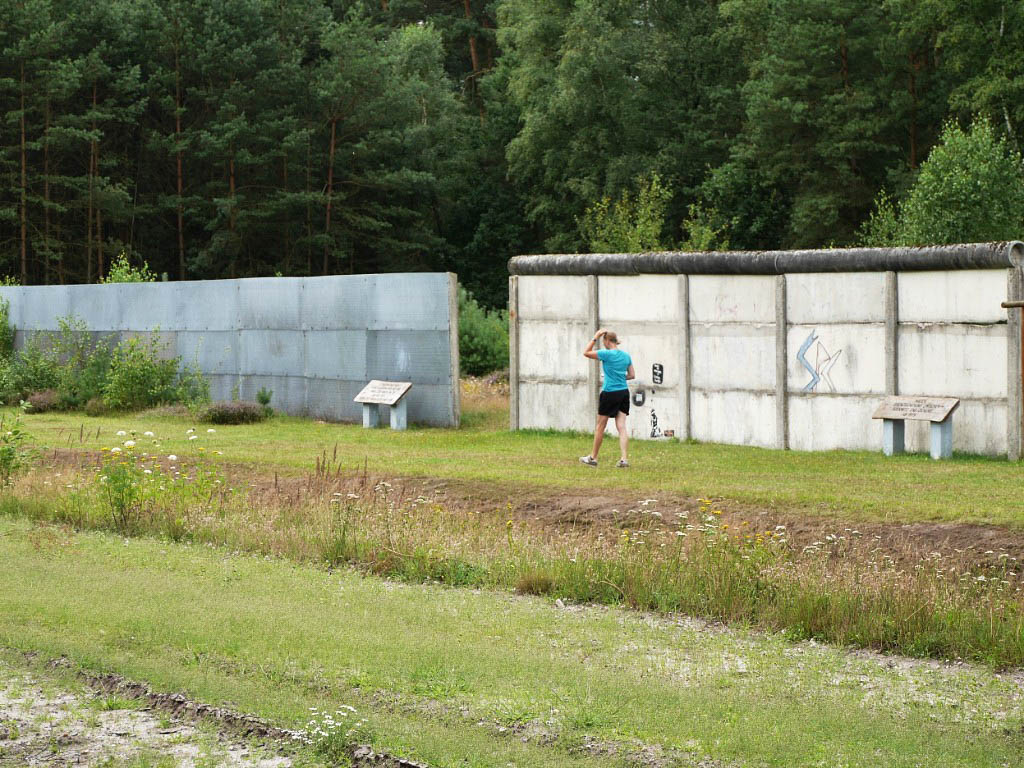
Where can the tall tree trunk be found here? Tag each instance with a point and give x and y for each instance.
(913, 110)
(474, 56)
(330, 194)
(309, 203)
(181, 176)
(47, 249)
(93, 167)
(24, 186)
(231, 213)
(287, 222)
(99, 232)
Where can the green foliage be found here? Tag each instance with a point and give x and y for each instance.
(140, 376)
(15, 449)
(121, 478)
(235, 412)
(970, 189)
(630, 224)
(122, 271)
(483, 337)
(706, 230)
(6, 330)
(263, 397)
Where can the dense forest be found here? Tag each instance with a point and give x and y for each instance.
(229, 138)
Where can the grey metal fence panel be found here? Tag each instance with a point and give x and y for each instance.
(270, 304)
(140, 306)
(409, 303)
(337, 303)
(328, 352)
(271, 353)
(37, 310)
(331, 399)
(407, 354)
(314, 341)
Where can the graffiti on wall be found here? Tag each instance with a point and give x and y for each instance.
(824, 361)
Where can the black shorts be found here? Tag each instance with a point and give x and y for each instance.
(611, 403)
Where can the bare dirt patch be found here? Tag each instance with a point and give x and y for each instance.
(43, 724)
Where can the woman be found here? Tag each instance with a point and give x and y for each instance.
(614, 401)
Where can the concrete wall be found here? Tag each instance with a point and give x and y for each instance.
(790, 361)
(314, 341)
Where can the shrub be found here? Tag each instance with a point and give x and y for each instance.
(43, 401)
(121, 271)
(10, 387)
(14, 453)
(95, 406)
(234, 412)
(6, 331)
(263, 398)
(139, 377)
(483, 337)
(631, 224)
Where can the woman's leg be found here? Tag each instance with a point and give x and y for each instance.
(620, 425)
(602, 422)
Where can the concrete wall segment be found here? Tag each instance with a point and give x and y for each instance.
(551, 350)
(831, 422)
(741, 418)
(733, 298)
(732, 356)
(857, 297)
(952, 297)
(638, 299)
(553, 298)
(952, 360)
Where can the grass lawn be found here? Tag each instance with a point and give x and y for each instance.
(850, 485)
(460, 678)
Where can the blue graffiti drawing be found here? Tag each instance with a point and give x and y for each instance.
(815, 378)
(823, 363)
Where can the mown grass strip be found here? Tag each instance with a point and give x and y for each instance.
(852, 485)
(427, 664)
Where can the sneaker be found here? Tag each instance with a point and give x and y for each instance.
(590, 461)
(622, 464)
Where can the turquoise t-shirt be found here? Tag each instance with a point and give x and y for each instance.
(615, 363)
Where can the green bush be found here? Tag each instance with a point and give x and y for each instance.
(6, 330)
(95, 406)
(139, 377)
(10, 388)
(80, 370)
(631, 224)
(121, 271)
(234, 412)
(483, 337)
(969, 190)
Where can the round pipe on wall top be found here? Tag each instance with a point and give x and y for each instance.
(904, 259)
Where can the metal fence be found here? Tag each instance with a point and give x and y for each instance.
(314, 341)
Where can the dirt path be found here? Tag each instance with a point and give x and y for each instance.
(43, 723)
